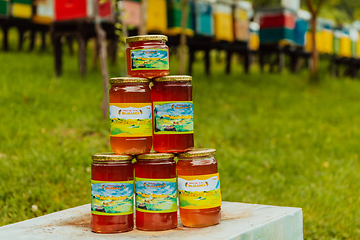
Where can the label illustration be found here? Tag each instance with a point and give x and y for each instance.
(130, 119)
(173, 117)
(112, 198)
(155, 195)
(155, 59)
(199, 192)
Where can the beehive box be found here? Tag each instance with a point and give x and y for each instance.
(254, 40)
(202, 20)
(174, 14)
(4, 8)
(241, 21)
(345, 46)
(301, 27)
(157, 16)
(223, 21)
(81, 9)
(44, 11)
(21, 9)
(336, 41)
(277, 18)
(132, 13)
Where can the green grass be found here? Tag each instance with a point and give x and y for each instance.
(279, 140)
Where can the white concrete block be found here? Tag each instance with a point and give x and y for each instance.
(239, 221)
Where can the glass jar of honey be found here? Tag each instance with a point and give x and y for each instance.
(156, 192)
(199, 188)
(112, 193)
(130, 115)
(147, 56)
(173, 114)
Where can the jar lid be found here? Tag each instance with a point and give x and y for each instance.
(111, 157)
(142, 38)
(171, 78)
(128, 80)
(199, 152)
(155, 156)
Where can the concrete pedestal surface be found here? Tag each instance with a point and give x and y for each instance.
(238, 221)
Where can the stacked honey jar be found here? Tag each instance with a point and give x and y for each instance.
(158, 117)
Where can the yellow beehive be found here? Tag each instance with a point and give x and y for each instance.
(309, 42)
(157, 18)
(241, 14)
(254, 41)
(327, 41)
(223, 22)
(345, 46)
(20, 10)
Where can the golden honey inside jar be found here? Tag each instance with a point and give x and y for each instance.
(147, 56)
(155, 191)
(112, 190)
(199, 188)
(130, 115)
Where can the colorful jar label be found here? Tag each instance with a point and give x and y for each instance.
(156, 195)
(154, 59)
(173, 117)
(199, 191)
(130, 119)
(112, 198)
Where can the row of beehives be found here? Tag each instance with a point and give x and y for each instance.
(48, 11)
(223, 20)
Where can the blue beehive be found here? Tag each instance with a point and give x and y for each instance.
(202, 18)
(301, 27)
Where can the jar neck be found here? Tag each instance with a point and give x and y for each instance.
(154, 160)
(179, 83)
(113, 162)
(146, 43)
(211, 157)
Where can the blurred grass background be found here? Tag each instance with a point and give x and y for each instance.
(279, 140)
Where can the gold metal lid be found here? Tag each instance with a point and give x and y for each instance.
(111, 157)
(142, 38)
(155, 156)
(199, 152)
(184, 78)
(128, 80)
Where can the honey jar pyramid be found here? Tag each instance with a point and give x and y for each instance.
(135, 179)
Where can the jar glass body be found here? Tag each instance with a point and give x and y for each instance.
(148, 59)
(122, 97)
(115, 173)
(168, 134)
(201, 169)
(153, 170)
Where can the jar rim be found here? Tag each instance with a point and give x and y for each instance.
(172, 78)
(141, 38)
(116, 80)
(155, 156)
(111, 157)
(198, 152)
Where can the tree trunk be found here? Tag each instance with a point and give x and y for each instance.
(315, 53)
(144, 7)
(184, 21)
(101, 39)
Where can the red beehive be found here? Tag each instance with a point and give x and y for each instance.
(279, 19)
(80, 9)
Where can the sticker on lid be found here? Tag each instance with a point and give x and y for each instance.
(130, 119)
(112, 198)
(199, 191)
(173, 117)
(149, 59)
